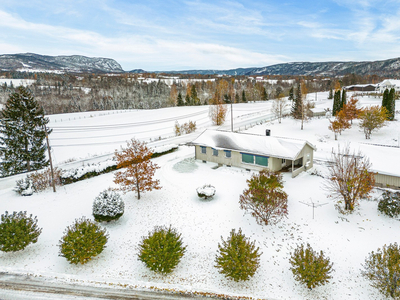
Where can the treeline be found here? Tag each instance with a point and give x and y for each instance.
(67, 93)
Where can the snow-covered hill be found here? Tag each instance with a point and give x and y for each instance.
(43, 63)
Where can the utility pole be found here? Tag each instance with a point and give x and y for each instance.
(232, 115)
(51, 162)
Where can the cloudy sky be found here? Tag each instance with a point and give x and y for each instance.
(196, 34)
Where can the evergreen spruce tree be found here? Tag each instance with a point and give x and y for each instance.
(297, 104)
(385, 99)
(180, 100)
(336, 103)
(244, 96)
(187, 100)
(391, 104)
(343, 100)
(291, 94)
(265, 94)
(193, 95)
(22, 134)
(330, 94)
(237, 99)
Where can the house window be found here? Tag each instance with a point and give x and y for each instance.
(228, 153)
(262, 161)
(283, 161)
(247, 158)
(203, 150)
(215, 152)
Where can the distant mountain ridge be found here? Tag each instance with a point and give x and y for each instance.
(83, 64)
(73, 63)
(389, 67)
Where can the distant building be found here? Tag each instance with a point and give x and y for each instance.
(361, 87)
(388, 84)
(254, 152)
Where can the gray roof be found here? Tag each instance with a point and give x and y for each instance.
(251, 143)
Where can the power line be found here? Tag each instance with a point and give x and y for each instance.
(123, 125)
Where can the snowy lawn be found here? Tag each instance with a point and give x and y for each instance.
(345, 239)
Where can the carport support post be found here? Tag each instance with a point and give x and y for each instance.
(292, 167)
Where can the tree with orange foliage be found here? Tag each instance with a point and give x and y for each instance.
(138, 170)
(372, 118)
(217, 111)
(349, 178)
(339, 124)
(351, 110)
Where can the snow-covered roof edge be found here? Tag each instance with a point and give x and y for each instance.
(288, 148)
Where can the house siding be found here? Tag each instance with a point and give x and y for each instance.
(274, 163)
(235, 160)
(385, 180)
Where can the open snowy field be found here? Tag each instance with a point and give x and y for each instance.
(347, 240)
(88, 134)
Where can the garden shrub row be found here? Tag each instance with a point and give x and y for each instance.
(237, 258)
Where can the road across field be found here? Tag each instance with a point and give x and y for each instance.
(18, 287)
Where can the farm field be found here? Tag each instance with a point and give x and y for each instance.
(347, 240)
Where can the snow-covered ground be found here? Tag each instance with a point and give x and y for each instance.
(347, 240)
(17, 82)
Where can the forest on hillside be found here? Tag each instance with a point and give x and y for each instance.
(67, 93)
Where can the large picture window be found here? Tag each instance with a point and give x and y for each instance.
(255, 159)
(247, 158)
(262, 161)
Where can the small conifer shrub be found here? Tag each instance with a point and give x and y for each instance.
(390, 204)
(17, 230)
(108, 206)
(82, 240)
(162, 250)
(237, 257)
(382, 268)
(24, 187)
(309, 267)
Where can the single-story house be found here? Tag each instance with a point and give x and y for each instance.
(253, 152)
(388, 84)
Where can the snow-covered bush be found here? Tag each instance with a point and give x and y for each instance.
(82, 240)
(17, 230)
(161, 250)
(88, 171)
(206, 191)
(309, 267)
(382, 268)
(24, 187)
(390, 204)
(108, 206)
(237, 257)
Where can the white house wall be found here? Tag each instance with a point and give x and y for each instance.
(235, 160)
(274, 163)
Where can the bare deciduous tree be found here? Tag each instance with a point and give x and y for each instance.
(279, 106)
(349, 178)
